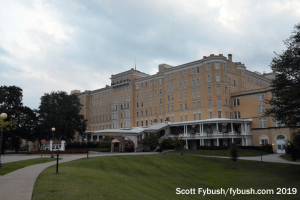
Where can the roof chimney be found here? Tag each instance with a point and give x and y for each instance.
(230, 57)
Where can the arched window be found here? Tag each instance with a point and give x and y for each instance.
(184, 83)
(208, 78)
(218, 77)
(193, 83)
(280, 137)
(198, 81)
(179, 84)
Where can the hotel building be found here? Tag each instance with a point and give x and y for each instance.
(212, 101)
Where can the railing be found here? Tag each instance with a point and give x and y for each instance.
(210, 134)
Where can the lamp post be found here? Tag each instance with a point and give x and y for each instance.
(2, 116)
(53, 129)
(261, 152)
(181, 145)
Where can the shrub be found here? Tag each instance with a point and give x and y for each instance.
(233, 152)
(170, 143)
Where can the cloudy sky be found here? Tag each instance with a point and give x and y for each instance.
(65, 45)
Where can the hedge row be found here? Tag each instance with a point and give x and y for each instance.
(58, 152)
(267, 148)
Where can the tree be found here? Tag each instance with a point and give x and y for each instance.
(24, 119)
(62, 111)
(285, 103)
(151, 141)
(234, 152)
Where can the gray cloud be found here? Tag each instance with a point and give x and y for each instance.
(85, 42)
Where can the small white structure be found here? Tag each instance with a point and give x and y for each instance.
(58, 147)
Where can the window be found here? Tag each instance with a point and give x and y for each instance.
(145, 95)
(219, 101)
(155, 93)
(194, 94)
(229, 81)
(160, 111)
(168, 77)
(234, 82)
(197, 70)
(160, 101)
(261, 109)
(236, 102)
(142, 105)
(210, 102)
(150, 111)
(160, 91)
(185, 116)
(193, 71)
(194, 105)
(225, 89)
(260, 97)
(150, 93)
(224, 66)
(172, 87)
(150, 102)
(229, 91)
(172, 119)
(208, 78)
(137, 95)
(194, 116)
(184, 95)
(168, 98)
(199, 116)
(160, 81)
(179, 85)
(208, 66)
(199, 104)
(167, 88)
(172, 76)
(217, 65)
(225, 78)
(180, 118)
(137, 123)
(172, 97)
(243, 84)
(237, 115)
(210, 115)
(219, 114)
(141, 94)
(168, 108)
(218, 89)
(184, 73)
(137, 114)
(262, 122)
(155, 102)
(218, 77)
(226, 114)
(233, 70)
(172, 108)
(137, 86)
(180, 96)
(180, 106)
(209, 90)
(184, 83)
(193, 83)
(179, 74)
(185, 105)
(226, 102)
(198, 81)
(137, 104)
(198, 93)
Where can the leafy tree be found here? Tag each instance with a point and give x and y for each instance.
(285, 103)
(106, 142)
(23, 117)
(234, 152)
(61, 111)
(151, 140)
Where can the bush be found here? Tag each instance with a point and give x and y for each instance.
(170, 143)
(212, 147)
(233, 152)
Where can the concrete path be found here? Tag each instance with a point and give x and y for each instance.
(265, 158)
(18, 185)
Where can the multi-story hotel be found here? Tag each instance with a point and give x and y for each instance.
(212, 101)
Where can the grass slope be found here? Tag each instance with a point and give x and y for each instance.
(12, 166)
(158, 176)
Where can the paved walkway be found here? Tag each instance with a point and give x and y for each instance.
(265, 158)
(18, 185)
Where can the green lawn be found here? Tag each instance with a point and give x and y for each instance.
(288, 157)
(12, 166)
(242, 152)
(158, 176)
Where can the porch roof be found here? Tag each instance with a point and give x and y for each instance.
(210, 121)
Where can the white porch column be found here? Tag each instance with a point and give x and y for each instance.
(246, 140)
(232, 140)
(80, 138)
(217, 141)
(217, 129)
(186, 144)
(243, 144)
(97, 138)
(231, 128)
(91, 137)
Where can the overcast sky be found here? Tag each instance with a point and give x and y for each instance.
(65, 45)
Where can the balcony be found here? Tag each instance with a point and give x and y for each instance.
(120, 83)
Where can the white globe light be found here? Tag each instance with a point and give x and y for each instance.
(3, 116)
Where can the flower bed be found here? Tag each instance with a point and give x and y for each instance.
(58, 152)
